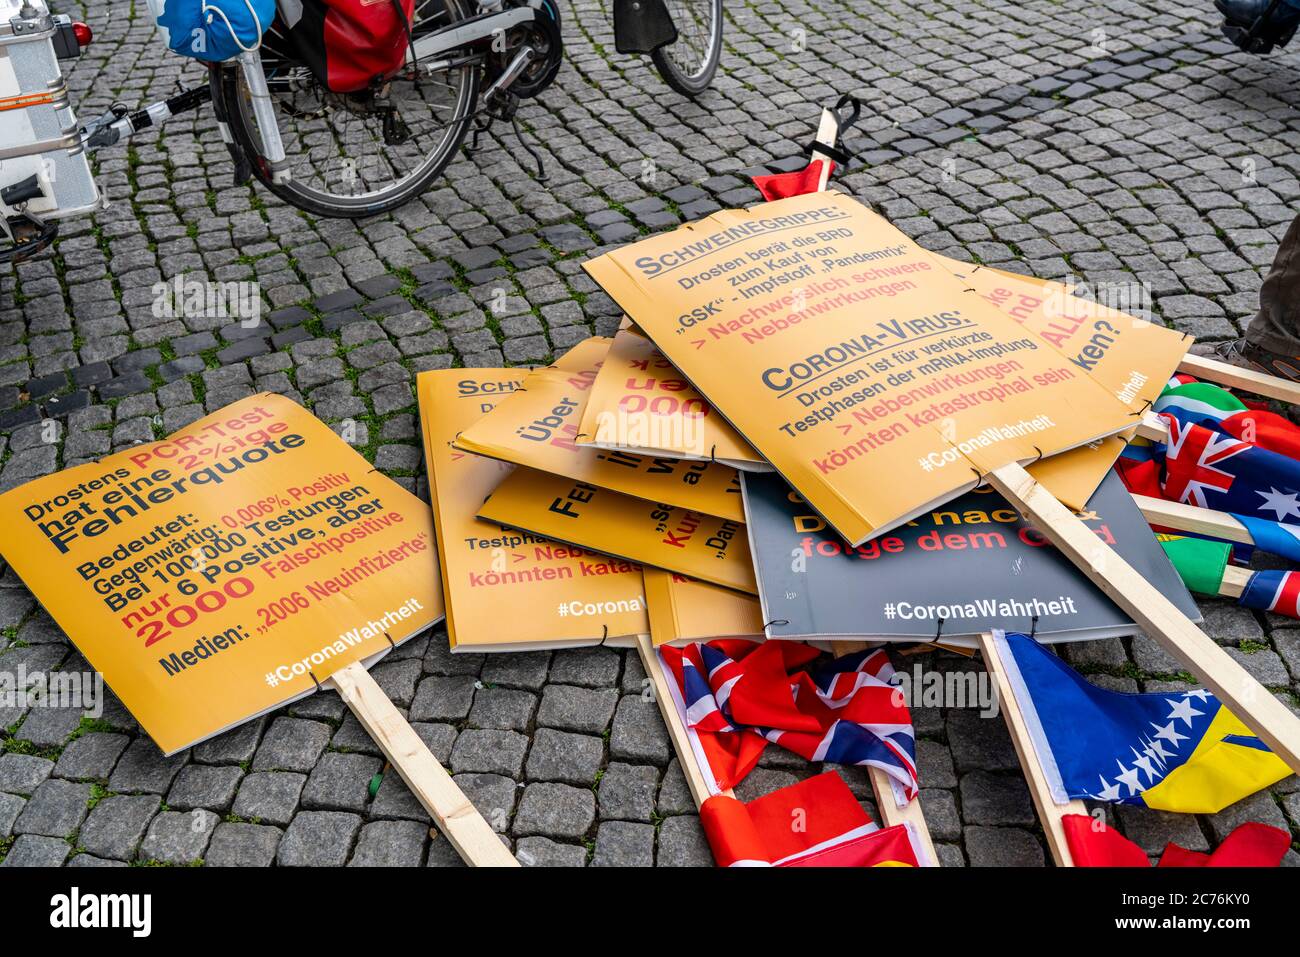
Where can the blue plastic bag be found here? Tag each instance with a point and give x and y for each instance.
(212, 30)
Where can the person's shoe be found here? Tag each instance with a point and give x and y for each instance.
(1241, 15)
(1246, 355)
(1246, 12)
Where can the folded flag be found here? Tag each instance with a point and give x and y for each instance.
(735, 696)
(1275, 591)
(1093, 844)
(1211, 469)
(1179, 751)
(815, 823)
(784, 185)
(1194, 403)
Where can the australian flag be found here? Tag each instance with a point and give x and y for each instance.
(738, 695)
(1211, 469)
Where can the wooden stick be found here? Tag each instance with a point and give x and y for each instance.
(677, 730)
(1049, 812)
(827, 131)
(1235, 580)
(1189, 518)
(467, 829)
(1152, 427)
(886, 803)
(1260, 383)
(1244, 696)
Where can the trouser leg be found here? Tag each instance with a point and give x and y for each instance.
(1276, 327)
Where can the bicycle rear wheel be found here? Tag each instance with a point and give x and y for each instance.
(357, 155)
(689, 65)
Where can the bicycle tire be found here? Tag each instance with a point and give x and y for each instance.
(312, 202)
(692, 85)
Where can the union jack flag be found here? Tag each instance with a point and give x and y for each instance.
(1274, 591)
(738, 695)
(1192, 459)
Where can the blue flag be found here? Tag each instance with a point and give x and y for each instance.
(1178, 751)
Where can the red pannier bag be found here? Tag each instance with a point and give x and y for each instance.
(349, 44)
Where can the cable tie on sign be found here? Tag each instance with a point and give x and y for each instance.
(391, 643)
(1146, 404)
(779, 622)
(1033, 626)
(938, 632)
(1037, 460)
(713, 454)
(313, 677)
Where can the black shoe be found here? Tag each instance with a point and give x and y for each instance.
(1252, 28)
(1247, 355)
(1244, 13)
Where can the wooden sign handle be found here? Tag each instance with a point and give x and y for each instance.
(458, 819)
(676, 726)
(1197, 521)
(1049, 812)
(1245, 697)
(886, 803)
(1260, 383)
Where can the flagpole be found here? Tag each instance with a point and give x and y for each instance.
(1234, 686)
(457, 818)
(1205, 522)
(1049, 812)
(1260, 383)
(677, 730)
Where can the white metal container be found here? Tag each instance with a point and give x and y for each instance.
(38, 128)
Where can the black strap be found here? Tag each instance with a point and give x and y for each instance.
(839, 153)
(831, 152)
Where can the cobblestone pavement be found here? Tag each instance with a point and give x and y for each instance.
(1114, 141)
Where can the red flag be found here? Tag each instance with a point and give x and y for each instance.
(1250, 845)
(784, 185)
(815, 823)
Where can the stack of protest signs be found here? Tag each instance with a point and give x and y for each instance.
(811, 436)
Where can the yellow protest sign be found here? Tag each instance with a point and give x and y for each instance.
(696, 545)
(509, 590)
(641, 403)
(1131, 357)
(227, 569)
(537, 426)
(862, 371)
(683, 610)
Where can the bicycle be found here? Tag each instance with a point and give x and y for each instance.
(358, 152)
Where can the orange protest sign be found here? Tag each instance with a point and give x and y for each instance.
(699, 546)
(537, 426)
(508, 590)
(683, 610)
(642, 404)
(1131, 357)
(226, 570)
(862, 371)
